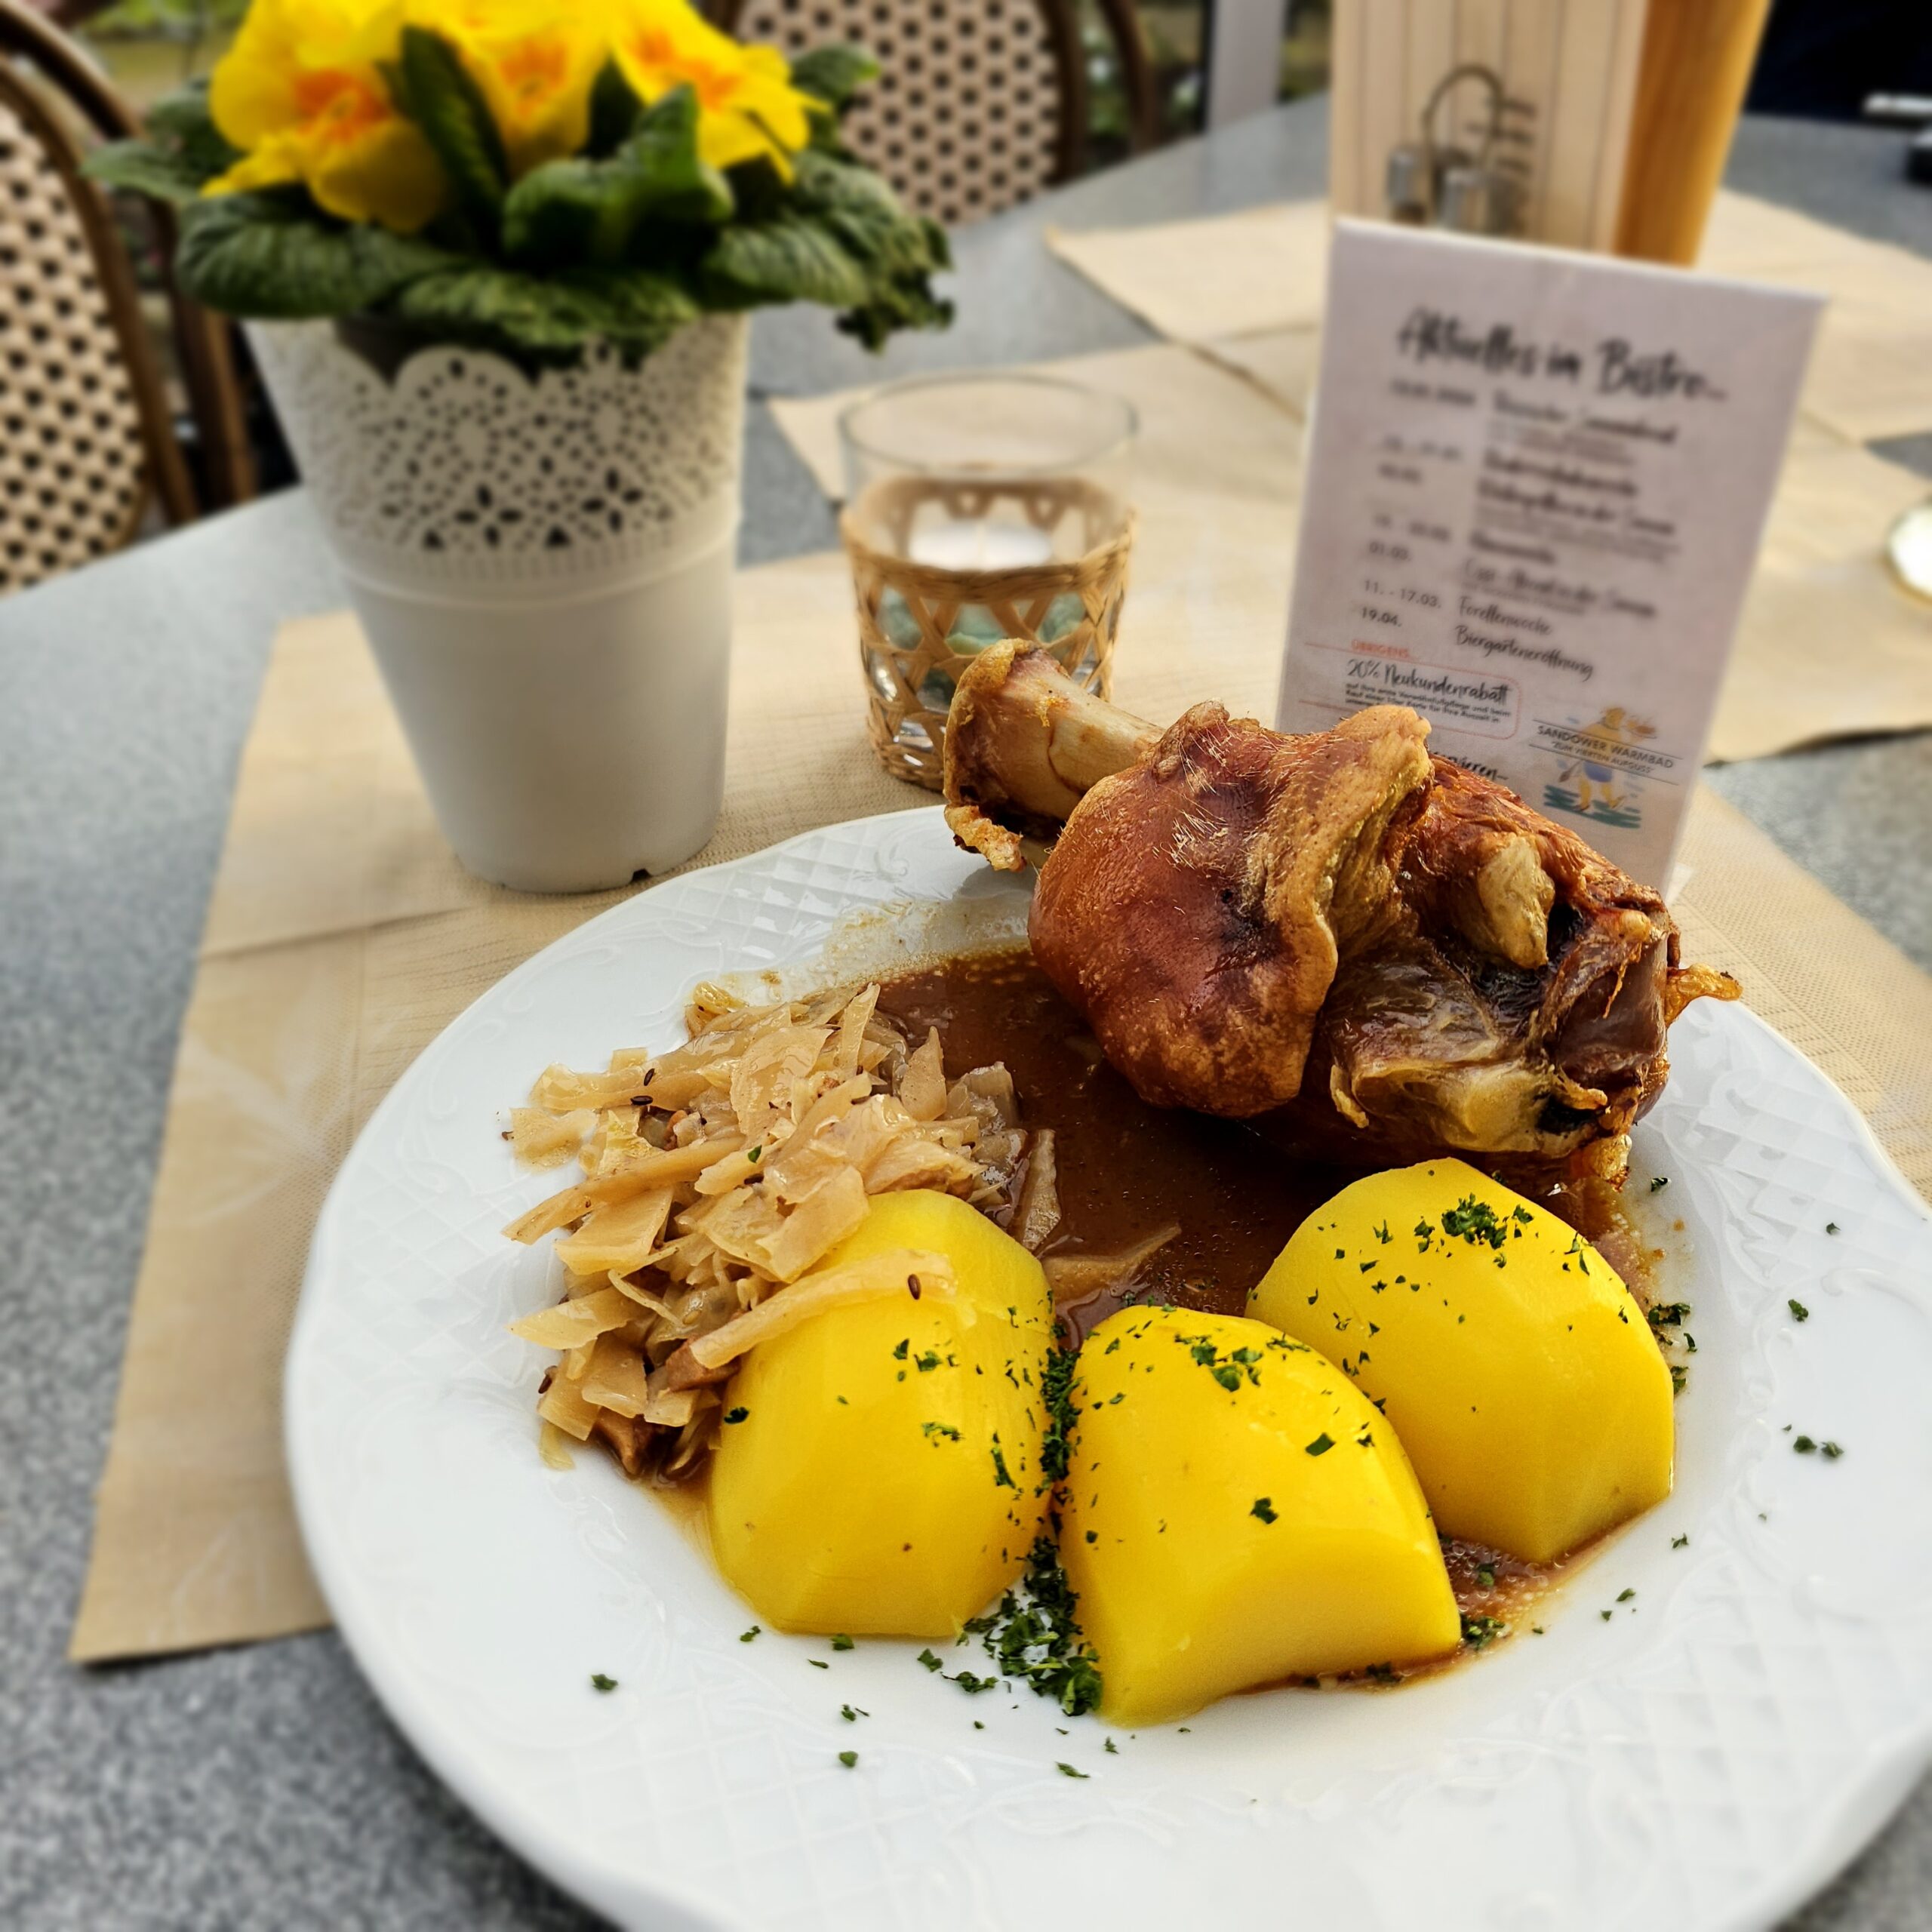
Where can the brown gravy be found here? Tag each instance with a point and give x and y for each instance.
(1126, 1168)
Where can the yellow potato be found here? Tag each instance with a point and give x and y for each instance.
(1237, 1513)
(884, 1479)
(1523, 1379)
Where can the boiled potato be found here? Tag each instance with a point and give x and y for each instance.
(1523, 1379)
(1237, 1513)
(884, 1478)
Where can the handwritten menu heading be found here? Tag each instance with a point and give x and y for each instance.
(1536, 485)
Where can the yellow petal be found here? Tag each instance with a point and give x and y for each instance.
(274, 163)
(251, 93)
(387, 174)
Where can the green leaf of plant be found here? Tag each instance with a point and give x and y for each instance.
(868, 218)
(182, 148)
(181, 122)
(893, 306)
(614, 109)
(578, 211)
(834, 75)
(790, 258)
(273, 256)
(663, 150)
(142, 168)
(432, 86)
(546, 320)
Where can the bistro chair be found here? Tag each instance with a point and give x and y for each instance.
(982, 103)
(88, 440)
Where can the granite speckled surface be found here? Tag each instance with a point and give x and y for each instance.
(262, 1787)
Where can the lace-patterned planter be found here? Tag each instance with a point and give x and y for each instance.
(544, 568)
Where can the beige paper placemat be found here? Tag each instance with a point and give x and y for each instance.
(1264, 270)
(1828, 645)
(1282, 362)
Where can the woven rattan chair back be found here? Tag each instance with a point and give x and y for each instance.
(87, 444)
(981, 104)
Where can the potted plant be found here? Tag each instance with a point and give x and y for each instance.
(497, 258)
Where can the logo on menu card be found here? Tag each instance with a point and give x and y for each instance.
(1603, 768)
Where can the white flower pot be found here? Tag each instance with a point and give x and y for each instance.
(544, 568)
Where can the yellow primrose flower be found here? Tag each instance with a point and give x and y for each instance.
(299, 93)
(747, 107)
(534, 61)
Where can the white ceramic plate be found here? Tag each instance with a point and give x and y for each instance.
(1704, 1757)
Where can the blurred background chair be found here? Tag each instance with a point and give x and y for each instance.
(89, 444)
(986, 100)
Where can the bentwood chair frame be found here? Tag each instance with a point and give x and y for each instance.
(936, 124)
(39, 66)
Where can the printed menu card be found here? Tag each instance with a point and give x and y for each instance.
(1536, 485)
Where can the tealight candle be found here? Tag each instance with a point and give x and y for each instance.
(980, 507)
(977, 545)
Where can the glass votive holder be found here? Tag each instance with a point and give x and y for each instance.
(980, 506)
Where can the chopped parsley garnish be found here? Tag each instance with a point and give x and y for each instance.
(848, 1758)
(1660, 1181)
(737, 1414)
(1831, 1450)
(1474, 1221)
(1056, 1391)
(1068, 1771)
(1681, 1543)
(1263, 1508)
(746, 1636)
(899, 1353)
(599, 1682)
(1668, 1314)
(933, 1431)
(852, 1713)
(1486, 1578)
(1799, 1312)
(818, 1663)
(931, 1662)
(1624, 1596)
(1033, 1635)
(842, 1642)
(1321, 1444)
(1478, 1632)
(1002, 1476)
(1803, 1444)
(928, 1362)
(972, 1685)
(1381, 1233)
(1227, 1371)
(1831, 1227)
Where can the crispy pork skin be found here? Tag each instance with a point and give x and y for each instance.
(1388, 953)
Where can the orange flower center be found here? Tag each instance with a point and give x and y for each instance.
(714, 86)
(534, 68)
(340, 107)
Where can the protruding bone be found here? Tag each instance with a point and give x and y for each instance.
(1024, 744)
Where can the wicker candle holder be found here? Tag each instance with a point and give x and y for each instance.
(921, 622)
